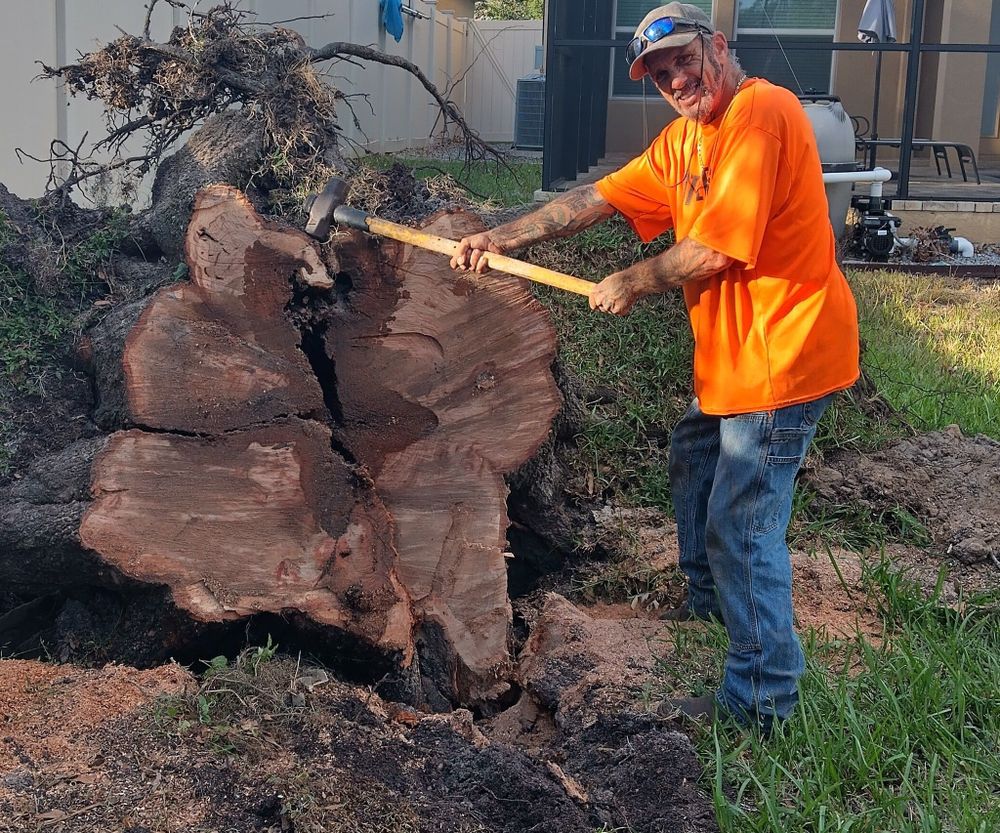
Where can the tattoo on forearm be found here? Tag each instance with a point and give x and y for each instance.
(685, 262)
(565, 215)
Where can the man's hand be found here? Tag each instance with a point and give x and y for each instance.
(470, 251)
(616, 294)
(567, 214)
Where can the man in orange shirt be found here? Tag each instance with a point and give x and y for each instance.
(738, 178)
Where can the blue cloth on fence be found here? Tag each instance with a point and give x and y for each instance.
(392, 17)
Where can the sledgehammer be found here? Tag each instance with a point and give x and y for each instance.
(330, 207)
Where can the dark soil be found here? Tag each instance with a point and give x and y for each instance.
(258, 751)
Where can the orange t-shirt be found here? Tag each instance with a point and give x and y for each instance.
(779, 326)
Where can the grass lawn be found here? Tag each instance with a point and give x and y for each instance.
(898, 737)
(504, 187)
(932, 345)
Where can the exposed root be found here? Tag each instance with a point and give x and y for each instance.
(222, 60)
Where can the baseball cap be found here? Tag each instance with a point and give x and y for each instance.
(696, 22)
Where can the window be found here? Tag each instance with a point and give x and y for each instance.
(628, 15)
(780, 23)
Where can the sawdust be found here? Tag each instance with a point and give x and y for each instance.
(102, 750)
(48, 712)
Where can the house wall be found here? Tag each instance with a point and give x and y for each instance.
(951, 85)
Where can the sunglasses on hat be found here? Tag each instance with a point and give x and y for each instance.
(658, 30)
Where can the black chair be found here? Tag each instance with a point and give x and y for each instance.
(941, 155)
(965, 154)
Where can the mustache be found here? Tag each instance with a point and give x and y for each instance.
(699, 87)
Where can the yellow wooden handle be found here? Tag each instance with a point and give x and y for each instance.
(510, 265)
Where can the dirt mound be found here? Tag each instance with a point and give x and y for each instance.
(948, 481)
(277, 746)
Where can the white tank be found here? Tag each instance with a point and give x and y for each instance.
(835, 138)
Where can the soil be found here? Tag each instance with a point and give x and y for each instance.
(283, 748)
(829, 593)
(280, 746)
(948, 483)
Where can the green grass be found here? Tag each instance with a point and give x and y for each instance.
(931, 348)
(505, 187)
(900, 736)
(34, 323)
(636, 369)
(38, 323)
(30, 327)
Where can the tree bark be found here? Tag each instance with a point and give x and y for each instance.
(284, 444)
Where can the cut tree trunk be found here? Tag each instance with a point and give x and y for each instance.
(332, 453)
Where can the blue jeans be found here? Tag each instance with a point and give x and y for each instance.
(732, 480)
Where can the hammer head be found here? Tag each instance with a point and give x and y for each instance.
(333, 195)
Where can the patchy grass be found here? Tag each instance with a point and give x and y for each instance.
(30, 327)
(39, 318)
(636, 370)
(901, 736)
(856, 528)
(33, 322)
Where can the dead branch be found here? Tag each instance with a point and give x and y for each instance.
(476, 148)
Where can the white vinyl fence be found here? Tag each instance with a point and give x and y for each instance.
(499, 53)
(476, 63)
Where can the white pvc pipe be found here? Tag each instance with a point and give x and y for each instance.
(876, 177)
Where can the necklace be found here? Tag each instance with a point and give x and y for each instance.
(700, 146)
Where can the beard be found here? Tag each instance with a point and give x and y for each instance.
(699, 100)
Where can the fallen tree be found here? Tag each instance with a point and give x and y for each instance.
(319, 434)
(286, 445)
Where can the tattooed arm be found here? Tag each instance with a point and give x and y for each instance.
(687, 261)
(566, 215)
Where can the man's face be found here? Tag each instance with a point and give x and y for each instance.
(690, 77)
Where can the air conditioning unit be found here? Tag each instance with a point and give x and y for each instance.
(529, 112)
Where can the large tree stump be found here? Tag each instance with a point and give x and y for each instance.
(332, 453)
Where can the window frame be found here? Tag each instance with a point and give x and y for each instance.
(794, 32)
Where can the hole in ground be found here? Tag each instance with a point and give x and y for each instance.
(94, 626)
(534, 558)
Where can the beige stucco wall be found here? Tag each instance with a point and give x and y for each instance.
(950, 92)
(961, 78)
(975, 226)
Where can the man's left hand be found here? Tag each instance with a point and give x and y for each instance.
(615, 294)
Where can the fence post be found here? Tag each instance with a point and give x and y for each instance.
(910, 100)
(383, 90)
(431, 71)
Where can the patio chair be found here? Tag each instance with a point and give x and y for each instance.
(965, 154)
(941, 155)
